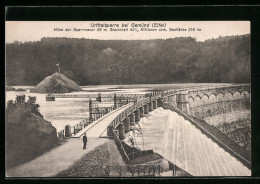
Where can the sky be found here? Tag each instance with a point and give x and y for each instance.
(24, 31)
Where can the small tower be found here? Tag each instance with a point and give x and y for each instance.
(182, 102)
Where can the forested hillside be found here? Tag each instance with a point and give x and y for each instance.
(87, 61)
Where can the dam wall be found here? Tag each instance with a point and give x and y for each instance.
(227, 108)
(205, 103)
(207, 106)
(188, 145)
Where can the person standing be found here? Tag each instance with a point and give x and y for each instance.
(85, 140)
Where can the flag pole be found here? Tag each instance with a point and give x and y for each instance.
(58, 67)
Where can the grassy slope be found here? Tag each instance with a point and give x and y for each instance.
(84, 167)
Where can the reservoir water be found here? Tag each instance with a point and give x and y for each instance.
(71, 111)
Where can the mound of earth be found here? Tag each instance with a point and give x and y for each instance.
(56, 83)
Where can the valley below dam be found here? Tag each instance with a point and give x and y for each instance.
(187, 147)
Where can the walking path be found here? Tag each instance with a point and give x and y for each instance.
(62, 157)
(56, 160)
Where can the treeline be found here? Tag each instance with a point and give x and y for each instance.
(88, 61)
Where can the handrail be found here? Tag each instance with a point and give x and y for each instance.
(117, 120)
(83, 123)
(131, 108)
(89, 121)
(95, 96)
(174, 92)
(119, 145)
(217, 87)
(139, 153)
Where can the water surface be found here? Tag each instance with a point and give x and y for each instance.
(65, 111)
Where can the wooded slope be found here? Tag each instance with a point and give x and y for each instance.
(87, 61)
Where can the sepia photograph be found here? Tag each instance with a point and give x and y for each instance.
(130, 99)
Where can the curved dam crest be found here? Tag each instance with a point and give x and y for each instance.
(183, 144)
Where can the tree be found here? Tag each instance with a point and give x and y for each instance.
(124, 61)
(20, 100)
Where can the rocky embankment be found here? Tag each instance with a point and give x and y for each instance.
(56, 83)
(27, 133)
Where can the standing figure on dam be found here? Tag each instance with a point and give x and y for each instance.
(85, 140)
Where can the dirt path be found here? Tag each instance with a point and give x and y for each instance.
(56, 160)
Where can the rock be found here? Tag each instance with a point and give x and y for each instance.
(56, 83)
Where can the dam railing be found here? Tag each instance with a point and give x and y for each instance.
(127, 157)
(131, 108)
(218, 87)
(141, 169)
(52, 97)
(139, 154)
(120, 146)
(85, 122)
(193, 89)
